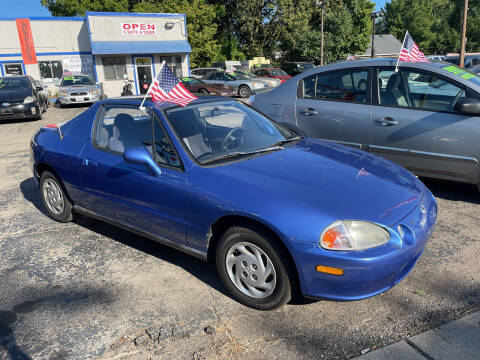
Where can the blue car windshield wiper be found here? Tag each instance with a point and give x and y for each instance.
(281, 142)
(242, 153)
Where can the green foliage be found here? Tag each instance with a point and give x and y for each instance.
(435, 25)
(260, 25)
(347, 30)
(201, 26)
(79, 7)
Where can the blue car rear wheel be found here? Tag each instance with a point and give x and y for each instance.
(54, 197)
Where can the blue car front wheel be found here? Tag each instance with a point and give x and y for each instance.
(252, 267)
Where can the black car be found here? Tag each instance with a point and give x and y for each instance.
(20, 98)
(295, 68)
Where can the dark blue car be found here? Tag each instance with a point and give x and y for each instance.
(276, 212)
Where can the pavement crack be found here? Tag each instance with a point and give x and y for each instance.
(419, 350)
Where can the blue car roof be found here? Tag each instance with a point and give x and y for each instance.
(137, 100)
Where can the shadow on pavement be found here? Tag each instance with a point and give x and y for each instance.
(67, 299)
(455, 191)
(31, 192)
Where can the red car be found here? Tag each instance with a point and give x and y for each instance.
(273, 73)
(195, 85)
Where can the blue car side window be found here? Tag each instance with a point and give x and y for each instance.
(121, 128)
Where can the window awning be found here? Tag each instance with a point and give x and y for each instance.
(140, 47)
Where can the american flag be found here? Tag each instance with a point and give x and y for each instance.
(410, 51)
(167, 88)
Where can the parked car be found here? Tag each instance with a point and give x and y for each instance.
(222, 182)
(436, 57)
(20, 98)
(195, 85)
(43, 94)
(469, 61)
(295, 68)
(425, 116)
(244, 87)
(275, 73)
(77, 89)
(201, 72)
(248, 74)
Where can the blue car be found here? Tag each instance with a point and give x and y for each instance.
(277, 213)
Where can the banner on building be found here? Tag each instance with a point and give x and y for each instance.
(26, 41)
(78, 64)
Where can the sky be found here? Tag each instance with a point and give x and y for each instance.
(26, 8)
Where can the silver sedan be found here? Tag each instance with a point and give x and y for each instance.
(244, 87)
(423, 116)
(77, 89)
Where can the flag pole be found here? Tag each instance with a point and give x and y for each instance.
(149, 88)
(398, 59)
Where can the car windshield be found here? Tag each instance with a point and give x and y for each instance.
(242, 75)
(305, 66)
(73, 80)
(191, 81)
(453, 60)
(232, 76)
(277, 72)
(14, 84)
(248, 74)
(219, 130)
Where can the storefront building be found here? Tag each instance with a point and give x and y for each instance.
(110, 47)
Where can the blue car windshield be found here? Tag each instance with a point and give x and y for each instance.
(217, 130)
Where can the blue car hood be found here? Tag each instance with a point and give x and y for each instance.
(325, 178)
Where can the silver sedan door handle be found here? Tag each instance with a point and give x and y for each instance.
(308, 112)
(386, 121)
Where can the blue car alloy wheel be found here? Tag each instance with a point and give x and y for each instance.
(253, 268)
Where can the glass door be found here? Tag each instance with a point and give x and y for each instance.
(143, 73)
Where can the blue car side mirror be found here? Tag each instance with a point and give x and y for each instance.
(140, 155)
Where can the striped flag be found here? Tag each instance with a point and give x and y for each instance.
(410, 51)
(167, 88)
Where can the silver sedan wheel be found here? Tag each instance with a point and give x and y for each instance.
(53, 196)
(251, 270)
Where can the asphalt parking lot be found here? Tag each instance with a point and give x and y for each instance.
(87, 289)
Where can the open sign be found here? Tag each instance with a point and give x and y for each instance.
(139, 29)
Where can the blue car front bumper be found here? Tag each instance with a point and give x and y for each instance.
(372, 271)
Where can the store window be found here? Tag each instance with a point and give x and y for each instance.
(13, 69)
(50, 70)
(174, 63)
(114, 67)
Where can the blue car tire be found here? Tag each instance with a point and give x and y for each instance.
(253, 268)
(54, 198)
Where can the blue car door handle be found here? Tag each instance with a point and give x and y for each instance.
(386, 121)
(308, 112)
(89, 162)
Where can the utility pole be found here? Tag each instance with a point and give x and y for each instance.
(321, 3)
(464, 31)
(374, 17)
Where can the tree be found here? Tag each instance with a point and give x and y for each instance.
(79, 7)
(435, 25)
(347, 30)
(201, 26)
(260, 25)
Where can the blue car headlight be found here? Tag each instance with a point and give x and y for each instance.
(353, 235)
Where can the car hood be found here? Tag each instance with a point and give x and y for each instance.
(327, 179)
(14, 96)
(82, 88)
